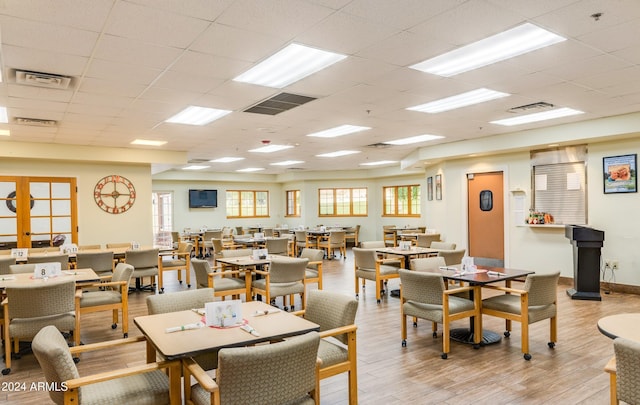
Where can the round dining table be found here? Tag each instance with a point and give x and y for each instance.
(621, 325)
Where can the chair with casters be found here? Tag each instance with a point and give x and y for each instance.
(352, 235)
(536, 301)
(175, 239)
(313, 272)
(279, 373)
(144, 384)
(627, 358)
(443, 245)
(426, 239)
(112, 296)
(239, 230)
(368, 266)
(179, 260)
(285, 277)
(335, 240)
(5, 262)
(206, 241)
(452, 257)
(55, 258)
(100, 262)
(278, 246)
(424, 295)
(224, 282)
(29, 308)
(335, 313)
(389, 236)
(301, 241)
(145, 264)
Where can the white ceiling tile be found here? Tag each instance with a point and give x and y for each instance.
(118, 71)
(206, 65)
(118, 49)
(86, 15)
(37, 60)
(110, 87)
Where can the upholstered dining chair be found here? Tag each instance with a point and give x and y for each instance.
(29, 308)
(5, 262)
(285, 277)
(426, 239)
(54, 258)
(352, 235)
(147, 384)
(536, 301)
(389, 236)
(424, 295)
(452, 257)
(369, 267)
(627, 355)
(336, 314)
(206, 241)
(301, 241)
(443, 245)
(224, 282)
(145, 264)
(313, 272)
(335, 240)
(179, 260)
(101, 262)
(279, 373)
(111, 296)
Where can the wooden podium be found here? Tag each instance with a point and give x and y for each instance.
(586, 261)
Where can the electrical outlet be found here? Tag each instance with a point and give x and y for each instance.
(614, 265)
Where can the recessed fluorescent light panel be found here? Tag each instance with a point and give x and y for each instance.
(226, 159)
(287, 163)
(147, 142)
(195, 167)
(289, 65)
(460, 100)
(3, 115)
(414, 139)
(271, 148)
(194, 115)
(516, 41)
(5, 132)
(339, 153)
(378, 163)
(250, 169)
(541, 116)
(339, 131)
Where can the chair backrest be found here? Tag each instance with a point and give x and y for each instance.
(202, 269)
(452, 257)
(331, 310)
(208, 235)
(118, 245)
(385, 228)
(21, 268)
(364, 258)
(426, 288)
(62, 259)
(98, 261)
(142, 259)
(5, 262)
(314, 255)
(185, 247)
(179, 301)
(54, 357)
(40, 300)
(239, 230)
(89, 247)
(175, 237)
(277, 246)
(227, 232)
(427, 263)
(425, 239)
(337, 237)
(278, 373)
(217, 245)
(287, 270)
(301, 237)
(627, 370)
(236, 252)
(542, 288)
(268, 231)
(372, 244)
(122, 272)
(443, 245)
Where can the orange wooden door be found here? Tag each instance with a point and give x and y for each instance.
(486, 215)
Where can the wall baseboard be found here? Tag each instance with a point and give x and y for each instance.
(607, 286)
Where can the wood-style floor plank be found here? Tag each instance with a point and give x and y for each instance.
(572, 373)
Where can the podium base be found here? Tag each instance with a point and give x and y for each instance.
(583, 295)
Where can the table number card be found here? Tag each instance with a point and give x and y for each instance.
(223, 313)
(45, 270)
(135, 245)
(19, 252)
(69, 248)
(467, 264)
(404, 245)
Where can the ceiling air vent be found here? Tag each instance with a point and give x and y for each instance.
(40, 79)
(540, 105)
(379, 145)
(198, 160)
(279, 103)
(35, 122)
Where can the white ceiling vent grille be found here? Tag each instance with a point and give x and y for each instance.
(40, 79)
(35, 122)
(540, 105)
(379, 145)
(279, 103)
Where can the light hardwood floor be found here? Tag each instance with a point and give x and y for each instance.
(572, 373)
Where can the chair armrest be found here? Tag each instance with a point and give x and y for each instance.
(298, 313)
(338, 331)
(106, 284)
(505, 289)
(194, 369)
(123, 372)
(105, 345)
(459, 290)
(390, 260)
(262, 272)
(318, 262)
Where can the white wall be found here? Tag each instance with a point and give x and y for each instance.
(95, 225)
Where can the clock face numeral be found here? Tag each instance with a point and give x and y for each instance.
(114, 194)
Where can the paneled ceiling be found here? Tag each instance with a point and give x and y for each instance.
(135, 63)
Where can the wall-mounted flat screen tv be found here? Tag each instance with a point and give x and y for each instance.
(203, 198)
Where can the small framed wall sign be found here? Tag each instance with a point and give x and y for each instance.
(620, 174)
(438, 187)
(429, 188)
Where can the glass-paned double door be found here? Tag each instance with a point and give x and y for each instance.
(37, 211)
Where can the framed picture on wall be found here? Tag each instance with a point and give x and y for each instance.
(620, 174)
(429, 188)
(438, 187)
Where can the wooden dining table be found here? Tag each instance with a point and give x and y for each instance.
(625, 325)
(27, 279)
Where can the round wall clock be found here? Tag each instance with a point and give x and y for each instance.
(114, 194)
